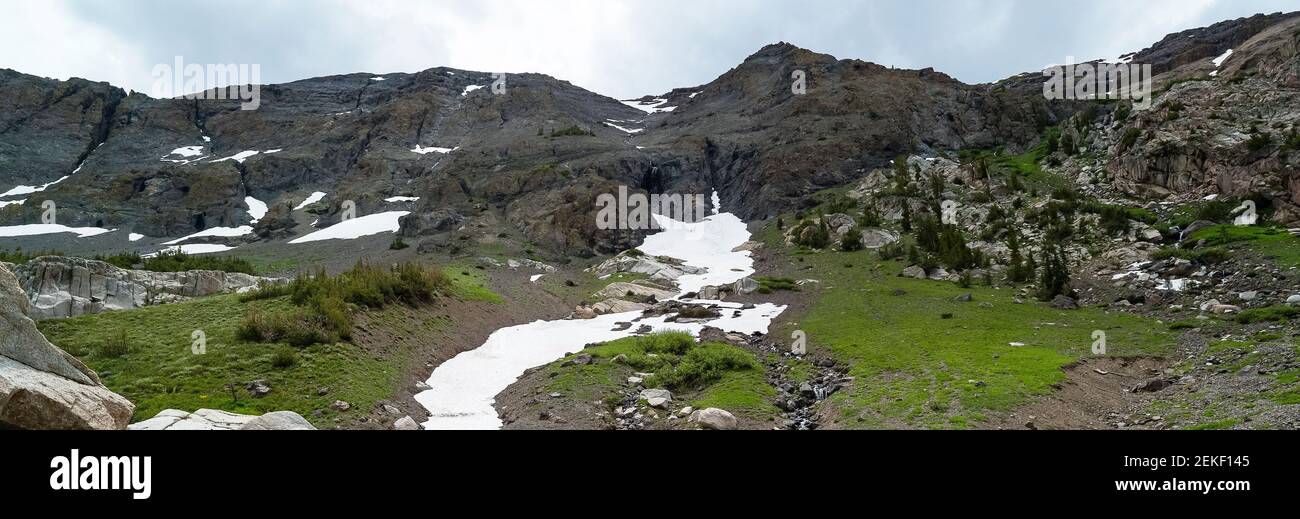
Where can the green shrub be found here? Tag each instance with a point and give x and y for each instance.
(774, 283)
(125, 260)
(852, 240)
(18, 257)
(325, 302)
(572, 131)
(674, 343)
(116, 346)
(176, 261)
(398, 244)
(703, 365)
(284, 358)
(1276, 313)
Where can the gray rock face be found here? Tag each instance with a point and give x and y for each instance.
(41, 386)
(216, 420)
(59, 286)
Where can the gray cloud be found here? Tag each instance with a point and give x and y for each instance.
(619, 48)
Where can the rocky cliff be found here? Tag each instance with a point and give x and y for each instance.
(533, 155)
(59, 286)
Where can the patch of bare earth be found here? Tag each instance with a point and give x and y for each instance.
(1094, 390)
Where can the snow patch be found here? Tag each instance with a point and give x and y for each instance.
(463, 388)
(357, 227)
(134, 237)
(239, 157)
(193, 248)
(469, 89)
(610, 123)
(49, 228)
(218, 232)
(432, 149)
(650, 107)
(316, 196)
(1218, 62)
(402, 199)
(27, 190)
(256, 208)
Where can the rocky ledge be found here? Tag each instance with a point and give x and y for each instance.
(59, 286)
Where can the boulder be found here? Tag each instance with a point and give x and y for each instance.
(617, 306)
(647, 394)
(622, 290)
(1063, 302)
(278, 421)
(745, 286)
(664, 269)
(713, 418)
(914, 272)
(1293, 300)
(877, 238)
(406, 423)
(41, 386)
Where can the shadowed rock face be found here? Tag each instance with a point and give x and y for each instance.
(59, 286)
(537, 155)
(41, 386)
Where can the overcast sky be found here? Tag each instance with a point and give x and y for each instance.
(621, 48)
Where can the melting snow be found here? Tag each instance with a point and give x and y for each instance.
(239, 157)
(49, 228)
(256, 208)
(27, 190)
(469, 89)
(357, 227)
(535, 277)
(402, 199)
(432, 149)
(187, 155)
(610, 123)
(463, 388)
(311, 199)
(1218, 62)
(650, 107)
(219, 232)
(4, 203)
(134, 237)
(193, 248)
(377, 78)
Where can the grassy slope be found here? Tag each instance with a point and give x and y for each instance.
(161, 372)
(1274, 243)
(914, 368)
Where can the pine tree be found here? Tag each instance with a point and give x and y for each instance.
(907, 217)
